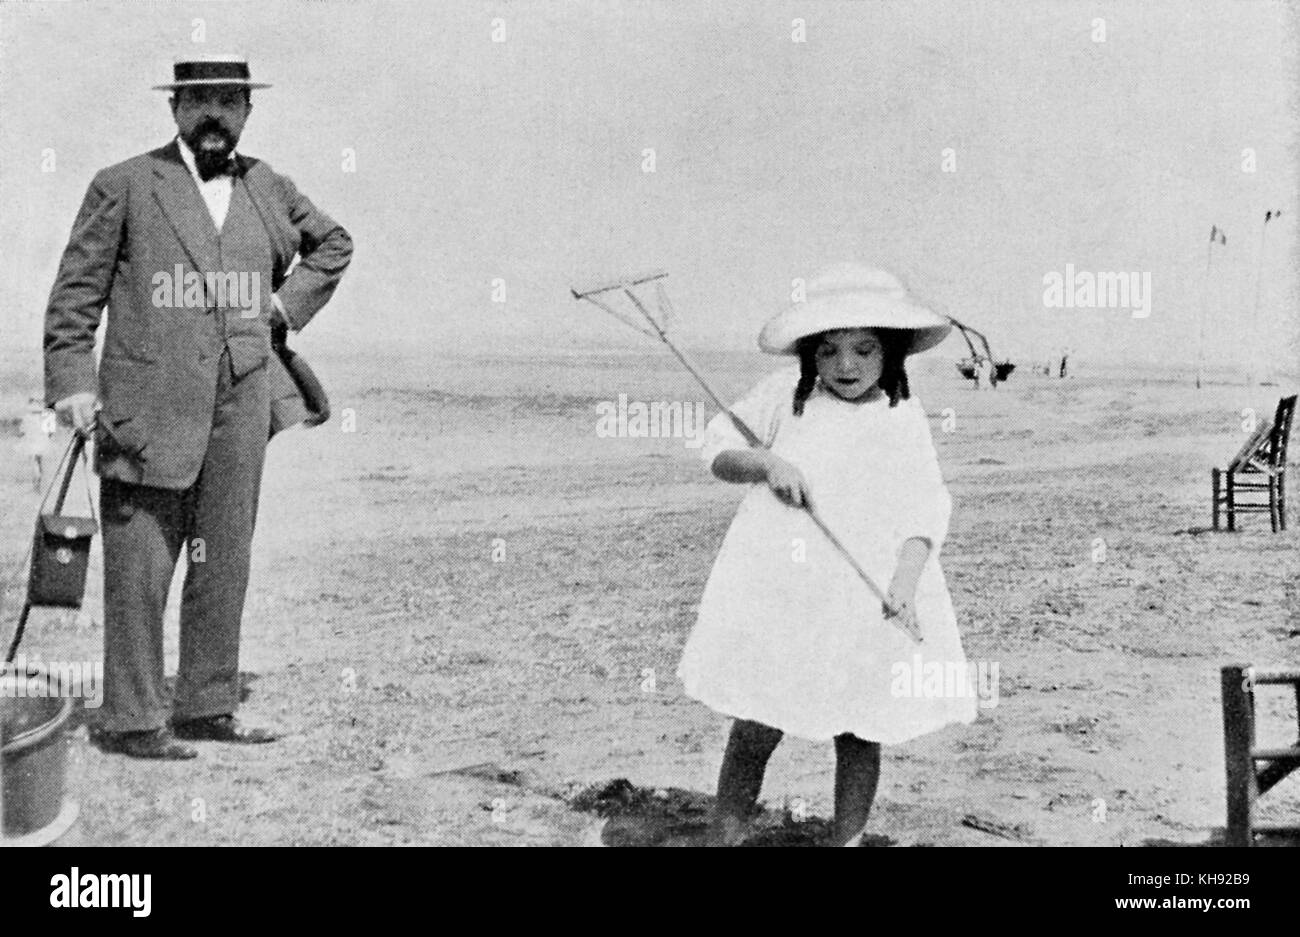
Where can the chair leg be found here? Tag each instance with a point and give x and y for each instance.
(1281, 499)
(1238, 739)
(1297, 704)
(1272, 503)
(1231, 502)
(1214, 497)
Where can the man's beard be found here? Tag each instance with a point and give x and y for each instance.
(210, 155)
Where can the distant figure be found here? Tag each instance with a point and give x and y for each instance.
(1064, 357)
(35, 430)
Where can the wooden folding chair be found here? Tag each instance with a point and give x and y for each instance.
(1259, 467)
(1251, 770)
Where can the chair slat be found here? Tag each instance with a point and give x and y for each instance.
(1290, 753)
(1255, 446)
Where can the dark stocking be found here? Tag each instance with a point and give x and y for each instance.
(748, 749)
(857, 771)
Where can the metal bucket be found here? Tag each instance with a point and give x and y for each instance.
(33, 760)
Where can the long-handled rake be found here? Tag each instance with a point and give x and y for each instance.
(658, 328)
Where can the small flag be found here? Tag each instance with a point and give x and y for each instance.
(1270, 215)
(1217, 235)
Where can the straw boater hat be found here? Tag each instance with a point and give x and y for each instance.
(853, 296)
(207, 70)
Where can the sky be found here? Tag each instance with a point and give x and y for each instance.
(524, 160)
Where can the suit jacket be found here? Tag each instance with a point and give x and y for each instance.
(157, 376)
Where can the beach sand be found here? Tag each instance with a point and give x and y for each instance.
(472, 604)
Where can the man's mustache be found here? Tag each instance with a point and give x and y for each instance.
(212, 127)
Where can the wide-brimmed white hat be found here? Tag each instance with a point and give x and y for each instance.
(853, 296)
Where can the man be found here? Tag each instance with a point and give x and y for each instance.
(189, 247)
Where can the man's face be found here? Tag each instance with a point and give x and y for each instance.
(210, 119)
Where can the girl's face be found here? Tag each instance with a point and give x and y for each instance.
(849, 362)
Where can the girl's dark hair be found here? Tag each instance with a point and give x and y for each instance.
(893, 371)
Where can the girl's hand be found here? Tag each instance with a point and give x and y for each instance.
(912, 556)
(902, 597)
(787, 482)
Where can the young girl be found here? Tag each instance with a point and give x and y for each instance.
(789, 638)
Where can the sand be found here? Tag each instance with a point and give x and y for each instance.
(470, 608)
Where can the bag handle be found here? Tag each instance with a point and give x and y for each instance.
(63, 475)
(85, 476)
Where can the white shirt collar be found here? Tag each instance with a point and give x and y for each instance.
(187, 156)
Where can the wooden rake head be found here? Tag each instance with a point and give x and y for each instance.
(659, 319)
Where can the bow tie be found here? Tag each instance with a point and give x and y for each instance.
(229, 168)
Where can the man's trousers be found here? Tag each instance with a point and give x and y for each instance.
(145, 529)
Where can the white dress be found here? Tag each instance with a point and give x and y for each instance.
(787, 634)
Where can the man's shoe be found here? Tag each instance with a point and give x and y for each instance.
(222, 729)
(152, 743)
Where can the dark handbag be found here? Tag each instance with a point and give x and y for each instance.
(60, 547)
(60, 557)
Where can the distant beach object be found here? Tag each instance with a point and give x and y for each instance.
(1216, 237)
(975, 367)
(1262, 462)
(35, 430)
(1019, 832)
(1251, 338)
(656, 326)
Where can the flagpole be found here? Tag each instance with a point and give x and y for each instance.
(1254, 312)
(1205, 303)
(1252, 342)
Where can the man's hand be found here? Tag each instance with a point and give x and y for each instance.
(78, 411)
(279, 318)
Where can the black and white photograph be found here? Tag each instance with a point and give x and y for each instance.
(632, 423)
